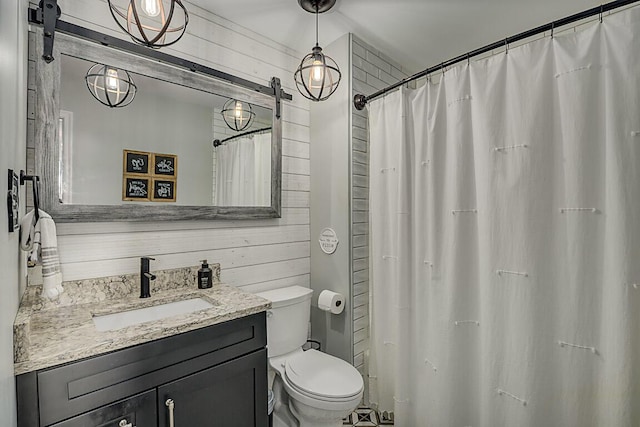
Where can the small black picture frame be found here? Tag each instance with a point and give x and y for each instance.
(165, 165)
(164, 190)
(135, 188)
(136, 162)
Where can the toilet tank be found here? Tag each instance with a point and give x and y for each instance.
(288, 319)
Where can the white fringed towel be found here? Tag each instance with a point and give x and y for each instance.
(40, 240)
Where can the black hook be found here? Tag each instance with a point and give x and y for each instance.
(35, 186)
(601, 11)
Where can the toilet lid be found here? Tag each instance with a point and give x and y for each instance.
(320, 374)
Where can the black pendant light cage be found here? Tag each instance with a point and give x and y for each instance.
(110, 86)
(152, 23)
(318, 75)
(237, 115)
(324, 68)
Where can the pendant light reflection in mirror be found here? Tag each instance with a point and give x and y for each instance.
(318, 75)
(237, 115)
(110, 86)
(152, 23)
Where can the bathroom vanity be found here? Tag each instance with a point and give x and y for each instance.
(204, 368)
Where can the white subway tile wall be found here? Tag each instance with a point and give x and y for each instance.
(371, 71)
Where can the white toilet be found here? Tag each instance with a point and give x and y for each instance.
(312, 389)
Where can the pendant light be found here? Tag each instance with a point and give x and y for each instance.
(110, 86)
(318, 75)
(152, 23)
(237, 115)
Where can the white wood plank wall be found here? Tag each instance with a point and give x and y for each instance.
(371, 71)
(256, 254)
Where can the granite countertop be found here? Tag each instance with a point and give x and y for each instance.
(49, 333)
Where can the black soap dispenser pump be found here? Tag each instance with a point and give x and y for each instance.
(204, 276)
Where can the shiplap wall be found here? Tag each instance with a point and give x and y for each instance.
(371, 70)
(255, 254)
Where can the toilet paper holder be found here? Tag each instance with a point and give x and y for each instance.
(330, 301)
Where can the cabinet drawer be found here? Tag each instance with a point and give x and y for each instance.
(82, 386)
(137, 411)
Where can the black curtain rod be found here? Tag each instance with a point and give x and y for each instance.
(217, 142)
(97, 37)
(359, 100)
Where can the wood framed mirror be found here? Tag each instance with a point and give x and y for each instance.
(81, 147)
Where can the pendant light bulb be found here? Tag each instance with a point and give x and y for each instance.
(238, 111)
(317, 73)
(112, 81)
(151, 7)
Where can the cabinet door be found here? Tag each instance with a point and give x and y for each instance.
(136, 411)
(230, 394)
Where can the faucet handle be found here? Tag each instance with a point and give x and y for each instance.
(150, 276)
(148, 258)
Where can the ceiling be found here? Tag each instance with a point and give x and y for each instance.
(415, 33)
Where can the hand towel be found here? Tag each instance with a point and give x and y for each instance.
(40, 240)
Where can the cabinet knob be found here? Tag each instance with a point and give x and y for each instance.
(125, 423)
(170, 404)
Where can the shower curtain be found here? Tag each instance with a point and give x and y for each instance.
(243, 171)
(505, 238)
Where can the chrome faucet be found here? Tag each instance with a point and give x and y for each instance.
(145, 277)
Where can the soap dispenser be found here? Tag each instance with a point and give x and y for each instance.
(204, 276)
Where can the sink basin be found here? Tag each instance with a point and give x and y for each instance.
(115, 321)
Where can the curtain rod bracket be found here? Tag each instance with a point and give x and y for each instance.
(359, 101)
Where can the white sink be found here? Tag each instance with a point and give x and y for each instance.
(115, 321)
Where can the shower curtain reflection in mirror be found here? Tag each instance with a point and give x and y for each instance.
(243, 171)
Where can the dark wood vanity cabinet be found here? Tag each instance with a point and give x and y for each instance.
(214, 376)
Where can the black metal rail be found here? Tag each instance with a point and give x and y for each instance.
(360, 100)
(36, 17)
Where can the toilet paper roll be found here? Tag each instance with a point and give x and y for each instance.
(331, 301)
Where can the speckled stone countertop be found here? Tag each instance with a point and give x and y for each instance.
(48, 333)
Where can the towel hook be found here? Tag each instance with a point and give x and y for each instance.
(35, 186)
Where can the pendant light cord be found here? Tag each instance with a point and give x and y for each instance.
(316, 23)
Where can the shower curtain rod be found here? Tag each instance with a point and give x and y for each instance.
(359, 100)
(217, 142)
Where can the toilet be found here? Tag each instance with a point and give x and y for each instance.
(311, 388)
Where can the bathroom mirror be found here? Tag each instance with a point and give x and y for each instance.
(153, 159)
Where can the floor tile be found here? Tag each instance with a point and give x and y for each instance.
(367, 417)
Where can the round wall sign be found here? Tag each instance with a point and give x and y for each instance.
(328, 241)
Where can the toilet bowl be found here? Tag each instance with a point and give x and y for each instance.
(312, 389)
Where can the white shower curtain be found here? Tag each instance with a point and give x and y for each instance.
(505, 238)
(243, 171)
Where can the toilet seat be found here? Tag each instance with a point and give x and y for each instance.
(297, 369)
(322, 376)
